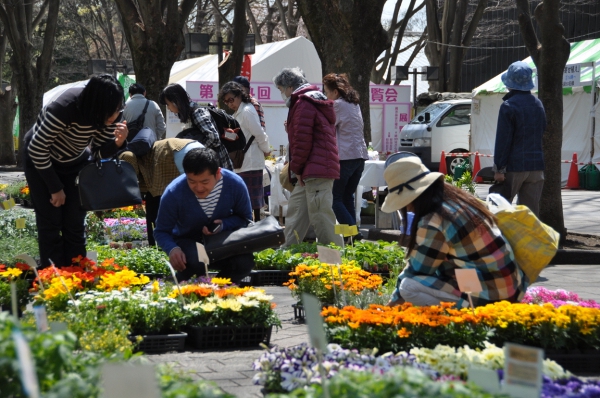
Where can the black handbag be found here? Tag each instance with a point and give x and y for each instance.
(108, 184)
(261, 235)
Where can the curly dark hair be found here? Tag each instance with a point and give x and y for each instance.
(333, 81)
(234, 88)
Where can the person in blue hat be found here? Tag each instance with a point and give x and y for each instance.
(518, 154)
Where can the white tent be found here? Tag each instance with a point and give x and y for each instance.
(267, 61)
(577, 111)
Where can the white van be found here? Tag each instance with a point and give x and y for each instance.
(442, 126)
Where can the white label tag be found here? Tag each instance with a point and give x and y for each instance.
(41, 318)
(485, 378)
(28, 375)
(314, 320)
(329, 256)
(468, 281)
(131, 381)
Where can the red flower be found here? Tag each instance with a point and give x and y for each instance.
(23, 266)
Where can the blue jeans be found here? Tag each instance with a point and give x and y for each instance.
(344, 189)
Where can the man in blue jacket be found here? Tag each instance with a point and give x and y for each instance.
(518, 154)
(205, 196)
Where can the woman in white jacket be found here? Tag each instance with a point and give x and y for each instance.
(234, 96)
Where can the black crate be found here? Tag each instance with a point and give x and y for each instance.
(217, 337)
(160, 343)
(585, 363)
(270, 277)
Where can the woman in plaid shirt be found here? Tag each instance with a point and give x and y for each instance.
(178, 101)
(451, 229)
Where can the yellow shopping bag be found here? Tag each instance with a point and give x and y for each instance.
(533, 242)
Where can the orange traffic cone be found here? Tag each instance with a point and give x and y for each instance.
(476, 169)
(573, 180)
(443, 164)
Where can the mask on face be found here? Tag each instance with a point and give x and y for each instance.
(283, 96)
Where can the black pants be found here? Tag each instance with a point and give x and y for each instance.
(236, 267)
(152, 205)
(61, 230)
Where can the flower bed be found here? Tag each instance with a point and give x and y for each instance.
(14, 274)
(126, 229)
(404, 327)
(143, 260)
(541, 295)
(292, 368)
(319, 279)
(65, 371)
(374, 257)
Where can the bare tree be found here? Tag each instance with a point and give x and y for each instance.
(274, 20)
(154, 32)
(397, 27)
(232, 66)
(348, 37)
(550, 54)
(450, 36)
(8, 107)
(30, 65)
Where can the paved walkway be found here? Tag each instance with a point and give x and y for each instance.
(232, 370)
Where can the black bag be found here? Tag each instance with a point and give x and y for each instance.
(109, 184)
(237, 157)
(142, 142)
(257, 236)
(138, 124)
(225, 123)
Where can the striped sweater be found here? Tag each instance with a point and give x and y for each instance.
(61, 137)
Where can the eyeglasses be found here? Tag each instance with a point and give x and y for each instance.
(229, 101)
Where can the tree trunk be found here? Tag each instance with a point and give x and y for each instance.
(550, 55)
(8, 110)
(155, 37)
(348, 37)
(30, 66)
(233, 65)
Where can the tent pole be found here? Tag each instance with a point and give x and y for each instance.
(593, 111)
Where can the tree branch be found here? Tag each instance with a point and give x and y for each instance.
(40, 15)
(255, 27)
(477, 15)
(44, 61)
(223, 16)
(529, 37)
(284, 24)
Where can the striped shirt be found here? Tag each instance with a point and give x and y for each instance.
(61, 136)
(444, 244)
(209, 203)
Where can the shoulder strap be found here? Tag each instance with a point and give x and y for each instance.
(248, 144)
(146, 107)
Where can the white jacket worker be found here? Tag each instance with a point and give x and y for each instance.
(234, 96)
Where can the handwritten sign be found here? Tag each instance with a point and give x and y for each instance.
(522, 370)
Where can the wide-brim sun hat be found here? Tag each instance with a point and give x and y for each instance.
(518, 77)
(407, 178)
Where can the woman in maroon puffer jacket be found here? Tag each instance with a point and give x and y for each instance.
(313, 157)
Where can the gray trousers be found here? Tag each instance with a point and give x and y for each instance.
(420, 295)
(311, 204)
(527, 186)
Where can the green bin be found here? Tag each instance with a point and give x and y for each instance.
(582, 180)
(592, 178)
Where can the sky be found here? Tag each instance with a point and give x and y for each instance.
(388, 8)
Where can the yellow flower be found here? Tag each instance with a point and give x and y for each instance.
(231, 304)
(11, 273)
(208, 307)
(221, 281)
(155, 287)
